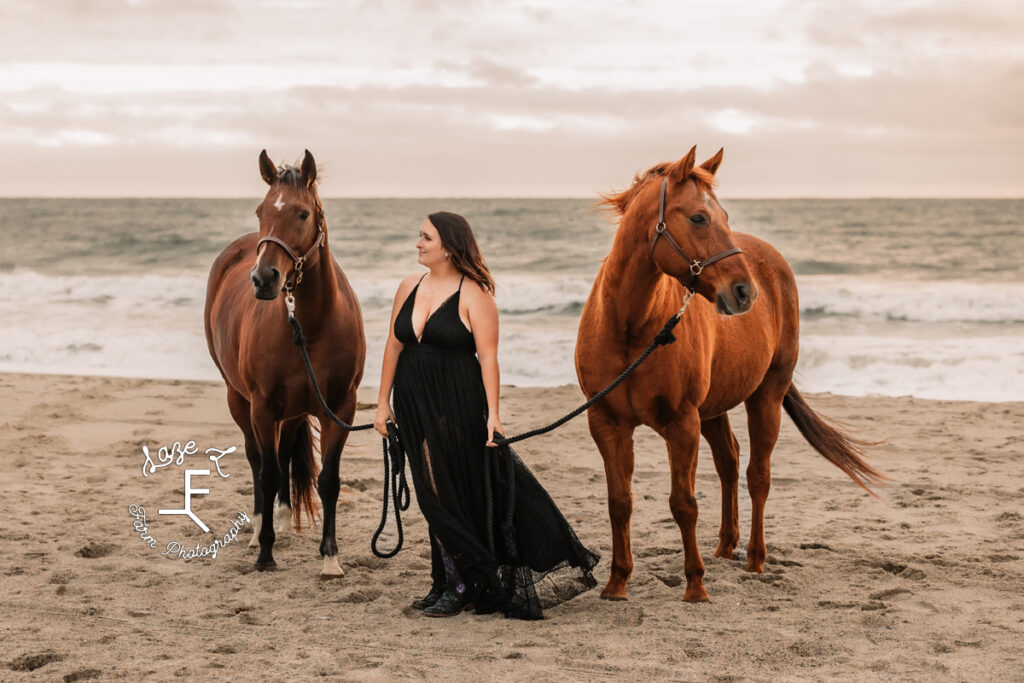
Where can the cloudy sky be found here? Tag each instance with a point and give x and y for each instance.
(511, 98)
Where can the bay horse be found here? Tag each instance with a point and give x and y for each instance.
(250, 340)
(721, 359)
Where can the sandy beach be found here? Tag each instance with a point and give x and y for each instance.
(924, 582)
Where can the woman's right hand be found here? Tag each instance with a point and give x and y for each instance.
(380, 422)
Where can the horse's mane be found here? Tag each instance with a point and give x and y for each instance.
(618, 202)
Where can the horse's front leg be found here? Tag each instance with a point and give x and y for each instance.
(332, 441)
(615, 442)
(264, 429)
(241, 413)
(683, 437)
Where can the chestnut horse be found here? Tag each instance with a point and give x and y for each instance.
(722, 359)
(251, 342)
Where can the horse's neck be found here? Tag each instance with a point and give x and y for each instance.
(630, 279)
(317, 293)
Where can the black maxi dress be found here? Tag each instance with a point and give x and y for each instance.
(510, 544)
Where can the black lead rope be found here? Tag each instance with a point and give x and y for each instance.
(300, 341)
(394, 455)
(662, 338)
(395, 481)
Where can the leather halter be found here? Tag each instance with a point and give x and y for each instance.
(661, 230)
(310, 257)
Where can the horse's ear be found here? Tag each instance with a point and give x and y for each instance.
(712, 164)
(682, 169)
(267, 168)
(309, 169)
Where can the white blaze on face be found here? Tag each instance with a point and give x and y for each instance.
(263, 248)
(279, 204)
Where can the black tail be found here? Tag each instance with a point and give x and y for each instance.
(305, 468)
(840, 449)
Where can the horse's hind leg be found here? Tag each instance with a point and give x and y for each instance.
(683, 437)
(615, 442)
(332, 441)
(726, 452)
(763, 415)
(241, 412)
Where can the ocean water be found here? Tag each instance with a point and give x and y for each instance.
(898, 296)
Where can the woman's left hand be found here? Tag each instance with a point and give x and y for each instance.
(494, 426)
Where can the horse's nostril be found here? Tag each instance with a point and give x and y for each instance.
(742, 293)
(274, 274)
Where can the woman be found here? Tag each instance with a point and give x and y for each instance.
(494, 531)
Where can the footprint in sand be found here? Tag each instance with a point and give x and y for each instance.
(93, 550)
(360, 595)
(31, 662)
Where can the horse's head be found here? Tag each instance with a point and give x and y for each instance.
(291, 226)
(691, 241)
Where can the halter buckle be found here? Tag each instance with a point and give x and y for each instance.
(686, 302)
(696, 268)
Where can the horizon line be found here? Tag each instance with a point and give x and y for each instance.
(596, 197)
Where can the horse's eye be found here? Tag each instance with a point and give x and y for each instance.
(699, 219)
(304, 215)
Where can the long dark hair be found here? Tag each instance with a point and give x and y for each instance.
(457, 239)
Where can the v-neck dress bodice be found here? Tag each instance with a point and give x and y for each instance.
(443, 330)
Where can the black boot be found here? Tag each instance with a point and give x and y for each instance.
(438, 576)
(430, 598)
(450, 604)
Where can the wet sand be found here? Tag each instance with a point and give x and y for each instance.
(925, 582)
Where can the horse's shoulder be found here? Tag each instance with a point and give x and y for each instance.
(235, 250)
(230, 256)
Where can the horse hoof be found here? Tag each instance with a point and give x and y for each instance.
(698, 594)
(331, 569)
(725, 553)
(268, 566)
(616, 593)
(755, 567)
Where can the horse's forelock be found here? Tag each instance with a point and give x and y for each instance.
(292, 175)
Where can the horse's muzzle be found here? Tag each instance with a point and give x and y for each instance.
(266, 283)
(738, 300)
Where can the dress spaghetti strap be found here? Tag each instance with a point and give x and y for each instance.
(460, 283)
